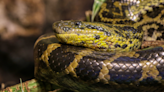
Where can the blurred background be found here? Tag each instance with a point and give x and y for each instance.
(21, 23)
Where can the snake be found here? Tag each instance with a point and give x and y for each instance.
(105, 55)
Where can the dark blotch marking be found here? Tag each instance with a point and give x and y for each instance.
(154, 14)
(59, 59)
(89, 68)
(117, 45)
(125, 74)
(42, 45)
(162, 17)
(130, 42)
(124, 46)
(102, 47)
(121, 22)
(150, 31)
(136, 37)
(154, 54)
(97, 36)
(40, 48)
(116, 31)
(82, 42)
(161, 37)
(131, 48)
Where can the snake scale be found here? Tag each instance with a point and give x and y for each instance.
(113, 60)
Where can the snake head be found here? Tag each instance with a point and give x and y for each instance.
(98, 36)
(80, 33)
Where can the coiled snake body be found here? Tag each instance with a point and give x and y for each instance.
(113, 61)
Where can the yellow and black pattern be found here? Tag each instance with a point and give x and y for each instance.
(146, 15)
(117, 65)
(122, 11)
(83, 69)
(98, 36)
